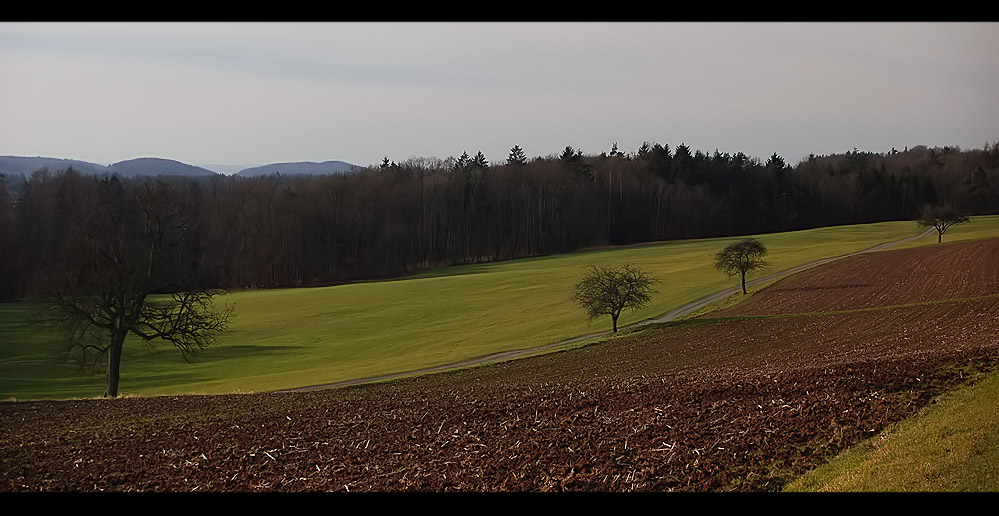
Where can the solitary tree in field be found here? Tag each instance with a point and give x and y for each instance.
(940, 218)
(126, 271)
(609, 290)
(741, 258)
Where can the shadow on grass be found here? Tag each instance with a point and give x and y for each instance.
(143, 372)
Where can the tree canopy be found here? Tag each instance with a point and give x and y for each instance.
(480, 161)
(125, 274)
(941, 217)
(609, 290)
(376, 222)
(516, 157)
(741, 258)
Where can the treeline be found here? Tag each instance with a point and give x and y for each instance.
(382, 221)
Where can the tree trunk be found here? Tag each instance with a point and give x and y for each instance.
(614, 322)
(114, 365)
(743, 282)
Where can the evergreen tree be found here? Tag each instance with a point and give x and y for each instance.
(776, 163)
(480, 161)
(645, 151)
(463, 162)
(516, 157)
(682, 153)
(570, 155)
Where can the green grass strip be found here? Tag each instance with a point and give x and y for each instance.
(952, 445)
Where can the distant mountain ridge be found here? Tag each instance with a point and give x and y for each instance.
(22, 165)
(157, 167)
(15, 166)
(299, 168)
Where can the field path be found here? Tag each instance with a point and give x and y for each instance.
(674, 314)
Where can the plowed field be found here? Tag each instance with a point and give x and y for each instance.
(916, 275)
(742, 404)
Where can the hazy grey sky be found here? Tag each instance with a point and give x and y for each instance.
(256, 93)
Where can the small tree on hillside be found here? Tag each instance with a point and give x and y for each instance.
(609, 290)
(741, 258)
(940, 218)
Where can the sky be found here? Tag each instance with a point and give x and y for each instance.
(256, 93)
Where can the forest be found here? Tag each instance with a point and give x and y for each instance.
(384, 221)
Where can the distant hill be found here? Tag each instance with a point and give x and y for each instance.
(299, 168)
(157, 167)
(15, 166)
(21, 165)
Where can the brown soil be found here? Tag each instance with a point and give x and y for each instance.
(921, 274)
(742, 404)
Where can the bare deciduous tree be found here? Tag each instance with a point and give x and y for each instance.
(124, 272)
(741, 258)
(940, 218)
(609, 290)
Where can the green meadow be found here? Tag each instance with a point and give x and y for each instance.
(286, 338)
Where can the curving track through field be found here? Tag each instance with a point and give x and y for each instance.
(741, 403)
(671, 315)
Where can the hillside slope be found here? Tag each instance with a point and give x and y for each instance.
(23, 165)
(156, 167)
(731, 404)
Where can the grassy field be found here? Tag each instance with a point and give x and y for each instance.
(287, 338)
(952, 445)
(979, 227)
